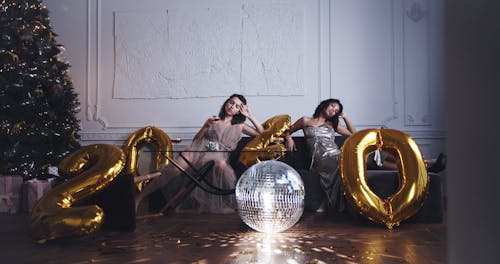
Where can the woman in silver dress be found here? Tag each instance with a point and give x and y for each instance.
(319, 132)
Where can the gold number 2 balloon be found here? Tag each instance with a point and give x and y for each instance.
(150, 135)
(94, 167)
(264, 145)
(413, 178)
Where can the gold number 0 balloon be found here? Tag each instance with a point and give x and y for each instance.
(264, 146)
(150, 135)
(95, 166)
(413, 178)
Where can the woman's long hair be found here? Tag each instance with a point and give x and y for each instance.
(323, 105)
(237, 119)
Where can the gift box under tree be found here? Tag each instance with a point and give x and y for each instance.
(32, 191)
(10, 193)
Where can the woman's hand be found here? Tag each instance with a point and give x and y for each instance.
(212, 120)
(349, 129)
(289, 143)
(244, 110)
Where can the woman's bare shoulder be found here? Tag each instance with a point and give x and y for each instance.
(305, 120)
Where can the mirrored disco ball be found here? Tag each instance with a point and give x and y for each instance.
(270, 196)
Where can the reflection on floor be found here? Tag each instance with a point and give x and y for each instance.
(211, 238)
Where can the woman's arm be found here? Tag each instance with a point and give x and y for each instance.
(248, 130)
(205, 126)
(349, 129)
(299, 124)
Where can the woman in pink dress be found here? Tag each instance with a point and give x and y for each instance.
(214, 142)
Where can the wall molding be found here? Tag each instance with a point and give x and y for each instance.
(88, 80)
(416, 67)
(325, 49)
(416, 12)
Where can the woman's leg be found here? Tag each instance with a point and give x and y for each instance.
(221, 176)
(438, 164)
(432, 165)
(167, 174)
(390, 165)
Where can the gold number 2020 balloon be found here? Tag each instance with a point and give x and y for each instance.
(94, 167)
(264, 145)
(413, 178)
(150, 135)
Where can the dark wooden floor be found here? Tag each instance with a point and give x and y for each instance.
(211, 238)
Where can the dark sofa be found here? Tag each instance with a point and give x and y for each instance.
(382, 182)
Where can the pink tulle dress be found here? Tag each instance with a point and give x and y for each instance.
(216, 144)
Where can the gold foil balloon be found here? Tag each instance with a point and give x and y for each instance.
(94, 167)
(413, 178)
(265, 146)
(150, 135)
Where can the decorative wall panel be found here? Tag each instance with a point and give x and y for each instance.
(170, 53)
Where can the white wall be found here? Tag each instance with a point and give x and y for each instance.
(172, 63)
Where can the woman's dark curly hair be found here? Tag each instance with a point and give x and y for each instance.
(237, 119)
(323, 105)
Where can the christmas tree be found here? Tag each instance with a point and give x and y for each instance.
(38, 104)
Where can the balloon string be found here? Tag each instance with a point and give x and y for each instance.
(380, 142)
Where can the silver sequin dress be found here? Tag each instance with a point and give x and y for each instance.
(325, 155)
